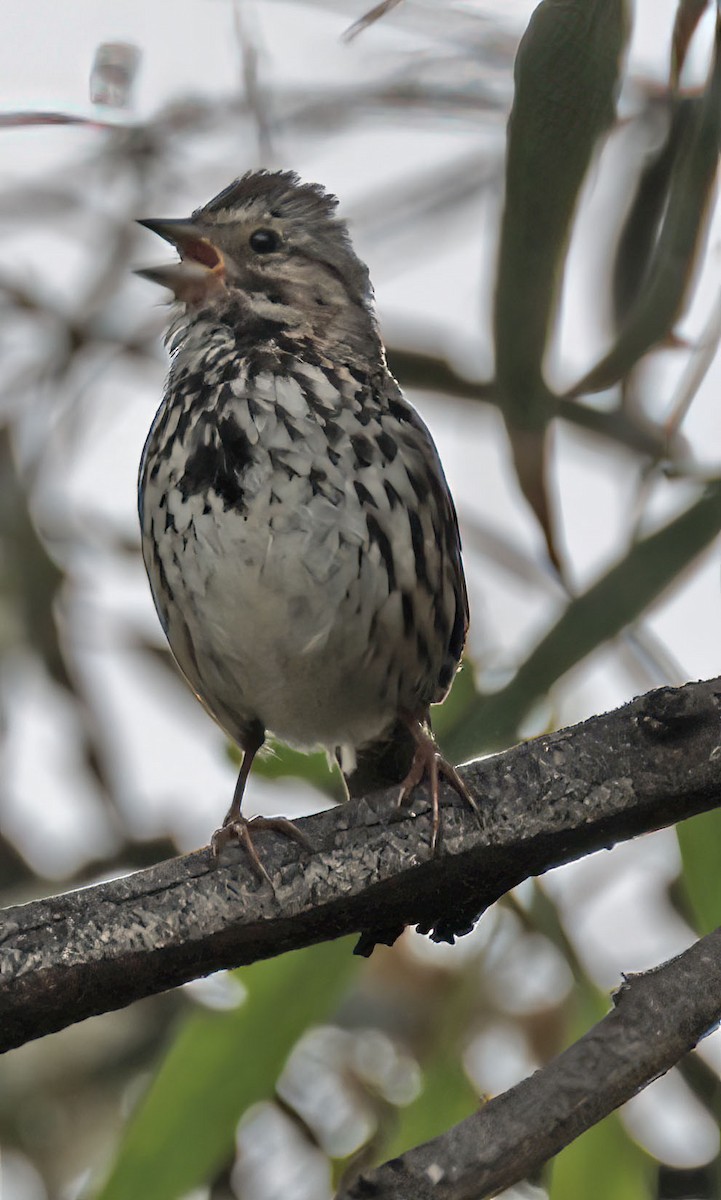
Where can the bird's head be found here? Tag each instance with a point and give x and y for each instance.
(277, 243)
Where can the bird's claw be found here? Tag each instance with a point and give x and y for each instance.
(238, 829)
(429, 760)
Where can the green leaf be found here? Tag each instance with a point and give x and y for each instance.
(566, 78)
(699, 839)
(218, 1064)
(639, 236)
(665, 287)
(609, 605)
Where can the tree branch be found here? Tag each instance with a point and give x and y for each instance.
(545, 802)
(658, 1017)
(414, 368)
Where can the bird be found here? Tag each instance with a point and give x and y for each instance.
(298, 532)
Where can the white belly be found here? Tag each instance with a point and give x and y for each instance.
(277, 613)
(283, 561)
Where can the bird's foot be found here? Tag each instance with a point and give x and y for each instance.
(429, 761)
(237, 828)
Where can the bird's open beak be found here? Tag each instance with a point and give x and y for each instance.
(201, 270)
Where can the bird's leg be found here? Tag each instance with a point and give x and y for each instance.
(429, 760)
(236, 827)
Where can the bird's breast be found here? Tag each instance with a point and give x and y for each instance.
(299, 553)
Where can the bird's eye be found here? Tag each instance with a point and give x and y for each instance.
(264, 241)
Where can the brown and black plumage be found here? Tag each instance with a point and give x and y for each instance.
(298, 532)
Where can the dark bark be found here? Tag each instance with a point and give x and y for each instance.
(545, 802)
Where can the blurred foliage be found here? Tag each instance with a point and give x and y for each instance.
(166, 1151)
(283, 762)
(604, 1161)
(566, 79)
(699, 839)
(352, 1063)
(611, 604)
(681, 201)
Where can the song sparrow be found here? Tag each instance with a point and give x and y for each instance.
(299, 536)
